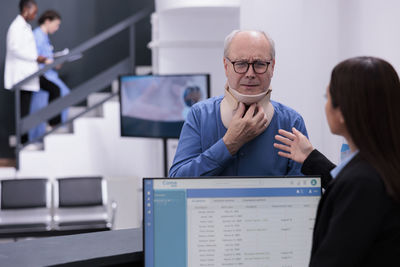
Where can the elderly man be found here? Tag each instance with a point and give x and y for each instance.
(233, 135)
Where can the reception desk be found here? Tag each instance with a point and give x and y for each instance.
(108, 248)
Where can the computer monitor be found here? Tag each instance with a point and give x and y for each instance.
(229, 221)
(157, 105)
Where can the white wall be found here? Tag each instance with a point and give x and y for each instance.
(188, 37)
(370, 27)
(311, 37)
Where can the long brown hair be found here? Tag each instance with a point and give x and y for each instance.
(367, 91)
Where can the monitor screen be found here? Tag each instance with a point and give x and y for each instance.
(157, 105)
(256, 221)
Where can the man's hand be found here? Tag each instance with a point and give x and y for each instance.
(298, 146)
(41, 59)
(244, 127)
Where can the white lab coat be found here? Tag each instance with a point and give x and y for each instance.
(21, 56)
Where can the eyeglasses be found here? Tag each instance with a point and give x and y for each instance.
(241, 67)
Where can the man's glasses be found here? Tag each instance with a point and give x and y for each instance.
(259, 67)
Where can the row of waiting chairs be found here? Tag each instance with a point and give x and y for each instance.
(43, 207)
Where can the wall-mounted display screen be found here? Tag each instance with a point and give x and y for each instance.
(157, 105)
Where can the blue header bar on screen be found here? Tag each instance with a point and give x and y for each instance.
(253, 192)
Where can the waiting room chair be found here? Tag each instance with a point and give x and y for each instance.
(25, 206)
(80, 204)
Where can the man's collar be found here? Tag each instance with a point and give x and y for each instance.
(21, 18)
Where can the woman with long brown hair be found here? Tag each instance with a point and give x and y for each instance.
(358, 218)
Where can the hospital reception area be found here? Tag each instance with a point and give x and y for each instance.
(199, 133)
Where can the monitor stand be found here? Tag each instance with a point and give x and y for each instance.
(165, 148)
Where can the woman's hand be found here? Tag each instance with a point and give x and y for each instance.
(48, 61)
(298, 146)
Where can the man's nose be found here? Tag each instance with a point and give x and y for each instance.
(250, 72)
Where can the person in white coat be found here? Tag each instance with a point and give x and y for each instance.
(22, 58)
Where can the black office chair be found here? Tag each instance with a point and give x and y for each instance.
(80, 204)
(25, 207)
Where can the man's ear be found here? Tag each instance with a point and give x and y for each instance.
(272, 66)
(24, 12)
(225, 66)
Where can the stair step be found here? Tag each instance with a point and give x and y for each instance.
(65, 129)
(95, 98)
(74, 111)
(38, 146)
(7, 171)
(7, 162)
(92, 100)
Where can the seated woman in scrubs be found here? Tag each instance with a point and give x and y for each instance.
(358, 218)
(49, 22)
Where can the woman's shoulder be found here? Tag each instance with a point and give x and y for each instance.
(38, 33)
(361, 176)
(359, 168)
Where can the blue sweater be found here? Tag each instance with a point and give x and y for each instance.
(202, 152)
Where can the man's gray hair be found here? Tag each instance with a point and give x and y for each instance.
(229, 38)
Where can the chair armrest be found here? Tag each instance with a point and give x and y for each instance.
(113, 206)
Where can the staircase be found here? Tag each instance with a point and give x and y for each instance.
(94, 147)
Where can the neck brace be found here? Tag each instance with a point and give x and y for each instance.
(247, 99)
(230, 104)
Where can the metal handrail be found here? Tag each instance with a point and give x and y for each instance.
(78, 94)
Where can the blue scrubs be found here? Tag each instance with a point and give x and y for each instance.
(45, 49)
(39, 100)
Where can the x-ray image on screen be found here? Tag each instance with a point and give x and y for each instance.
(157, 105)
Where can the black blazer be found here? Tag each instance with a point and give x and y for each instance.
(357, 223)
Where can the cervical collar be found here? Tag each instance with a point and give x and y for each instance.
(247, 99)
(232, 98)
